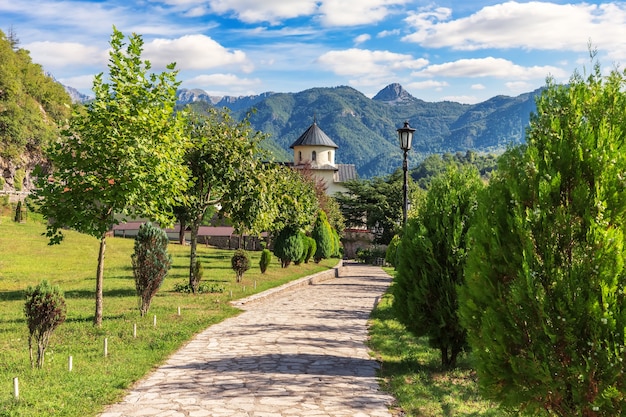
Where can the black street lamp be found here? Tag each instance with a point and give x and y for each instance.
(405, 134)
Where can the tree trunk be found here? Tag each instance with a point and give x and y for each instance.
(195, 225)
(181, 232)
(97, 320)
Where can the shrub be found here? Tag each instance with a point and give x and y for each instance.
(266, 258)
(240, 263)
(392, 249)
(45, 310)
(431, 258)
(203, 287)
(151, 262)
(544, 300)
(322, 233)
(311, 248)
(18, 212)
(288, 246)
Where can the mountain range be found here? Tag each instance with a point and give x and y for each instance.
(365, 128)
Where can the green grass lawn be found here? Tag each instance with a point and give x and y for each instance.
(26, 259)
(411, 372)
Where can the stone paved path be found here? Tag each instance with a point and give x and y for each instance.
(299, 353)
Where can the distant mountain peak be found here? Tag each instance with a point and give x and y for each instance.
(394, 93)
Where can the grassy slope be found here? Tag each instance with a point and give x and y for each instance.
(26, 259)
(411, 372)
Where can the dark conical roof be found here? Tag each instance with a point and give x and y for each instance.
(314, 136)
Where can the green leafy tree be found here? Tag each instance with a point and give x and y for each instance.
(323, 235)
(121, 155)
(430, 261)
(288, 246)
(18, 212)
(376, 202)
(311, 248)
(544, 300)
(151, 263)
(45, 310)
(240, 263)
(226, 167)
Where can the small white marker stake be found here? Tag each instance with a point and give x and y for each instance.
(16, 388)
(106, 347)
(255, 285)
(179, 311)
(154, 321)
(231, 293)
(69, 364)
(135, 330)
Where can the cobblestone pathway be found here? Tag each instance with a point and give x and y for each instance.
(298, 353)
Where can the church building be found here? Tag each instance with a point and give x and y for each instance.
(316, 151)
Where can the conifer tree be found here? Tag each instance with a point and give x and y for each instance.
(431, 258)
(544, 300)
(323, 235)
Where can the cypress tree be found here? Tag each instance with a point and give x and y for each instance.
(544, 298)
(322, 233)
(431, 257)
(288, 246)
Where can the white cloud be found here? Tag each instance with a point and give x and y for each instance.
(371, 63)
(81, 82)
(212, 80)
(271, 11)
(193, 52)
(362, 38)
(531, 25)
(489, 67)
(385, 33)
(356, 12)
(461, 99)
(427, 85)
(478, 87)
(53, 55)
(519, 86)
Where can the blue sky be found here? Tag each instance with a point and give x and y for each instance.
(465, 51)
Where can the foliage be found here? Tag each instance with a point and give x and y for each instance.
(436, 164)
(295, 199)
(240, 262)
(430, 261)
(45, 310)
(391, 252)
(266, 258)
(225, 163)
(32, 103)
(18, 212)
(311, 248)
(288, 246)
(203, 288)
(151, 262)
(370, 255)
(374, 203)
(323, 235)
(18, 179)
(544, 297)
(122, 155)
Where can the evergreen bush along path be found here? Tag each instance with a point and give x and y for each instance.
(544, 300)
(53, 390)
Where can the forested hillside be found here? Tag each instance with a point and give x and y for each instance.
(32, 104)
(365, 128)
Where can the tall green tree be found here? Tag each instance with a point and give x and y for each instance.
(323, 235)
(544, 300)
(122, 155)
(376, 202)
(430, 261)
(226, 168)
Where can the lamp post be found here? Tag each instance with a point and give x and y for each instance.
(405, 134)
